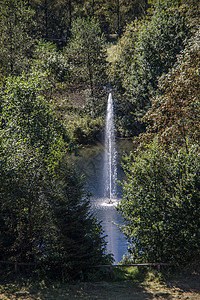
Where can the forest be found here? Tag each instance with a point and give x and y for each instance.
(56, 58)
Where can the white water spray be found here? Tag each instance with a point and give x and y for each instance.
(110, 165)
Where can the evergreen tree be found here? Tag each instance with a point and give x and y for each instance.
(80, 243)
(43, 206)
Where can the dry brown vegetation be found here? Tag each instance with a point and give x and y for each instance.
(184, 286)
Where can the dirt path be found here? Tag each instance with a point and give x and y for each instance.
(178, 289)
(143, 286)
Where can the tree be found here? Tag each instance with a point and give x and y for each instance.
(162, 190)
(16, 22)
(115, 15)
(80, 241)
(161, 205)
(44, 209)
(174, 116)
(33, 118)
(127, 124)
(159, 42)
(25, 212)
(86, 52)
(146, 51)
(47, 58)
(53, 19)
(32, 146)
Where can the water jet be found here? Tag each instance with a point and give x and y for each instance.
(110, 155)
(99, 165)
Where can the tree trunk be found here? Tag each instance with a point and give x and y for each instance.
(118, 18)
(90, 76)
(70, 13)
(93, 7)
(46, 18)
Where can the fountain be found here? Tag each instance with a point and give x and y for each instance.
(99, 165)
(107, 212)
(110, 155)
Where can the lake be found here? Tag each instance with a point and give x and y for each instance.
(89, 162)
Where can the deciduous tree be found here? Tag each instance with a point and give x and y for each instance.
(44, 208)
(87, 54)
(174, 116)
(161, 205)
(16, 21)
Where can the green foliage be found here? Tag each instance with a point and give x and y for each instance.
(48, 59)
(44, 208)
(161, 193)
(159, 42)
(147, 50)
(52, 18)
(87, 56)
(16, 21)
(82, 127)
(114, 15)
(27, 114)
(84, 130)
(174, 116)
(31, 130)
(80, 243)
(161, 204)
(24, 208)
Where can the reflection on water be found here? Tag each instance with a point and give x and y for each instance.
(89, 162)
(110, 217)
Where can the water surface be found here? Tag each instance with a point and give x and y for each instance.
(89, 162)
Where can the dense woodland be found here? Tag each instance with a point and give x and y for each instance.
(56, 58)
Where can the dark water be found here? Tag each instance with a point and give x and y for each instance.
(89, 162)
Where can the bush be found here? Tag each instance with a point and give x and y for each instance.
(161, 204)
(84, 130)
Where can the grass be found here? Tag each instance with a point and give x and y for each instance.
(128, 283)
(112, 53)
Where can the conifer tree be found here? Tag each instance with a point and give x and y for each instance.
(44, 209)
